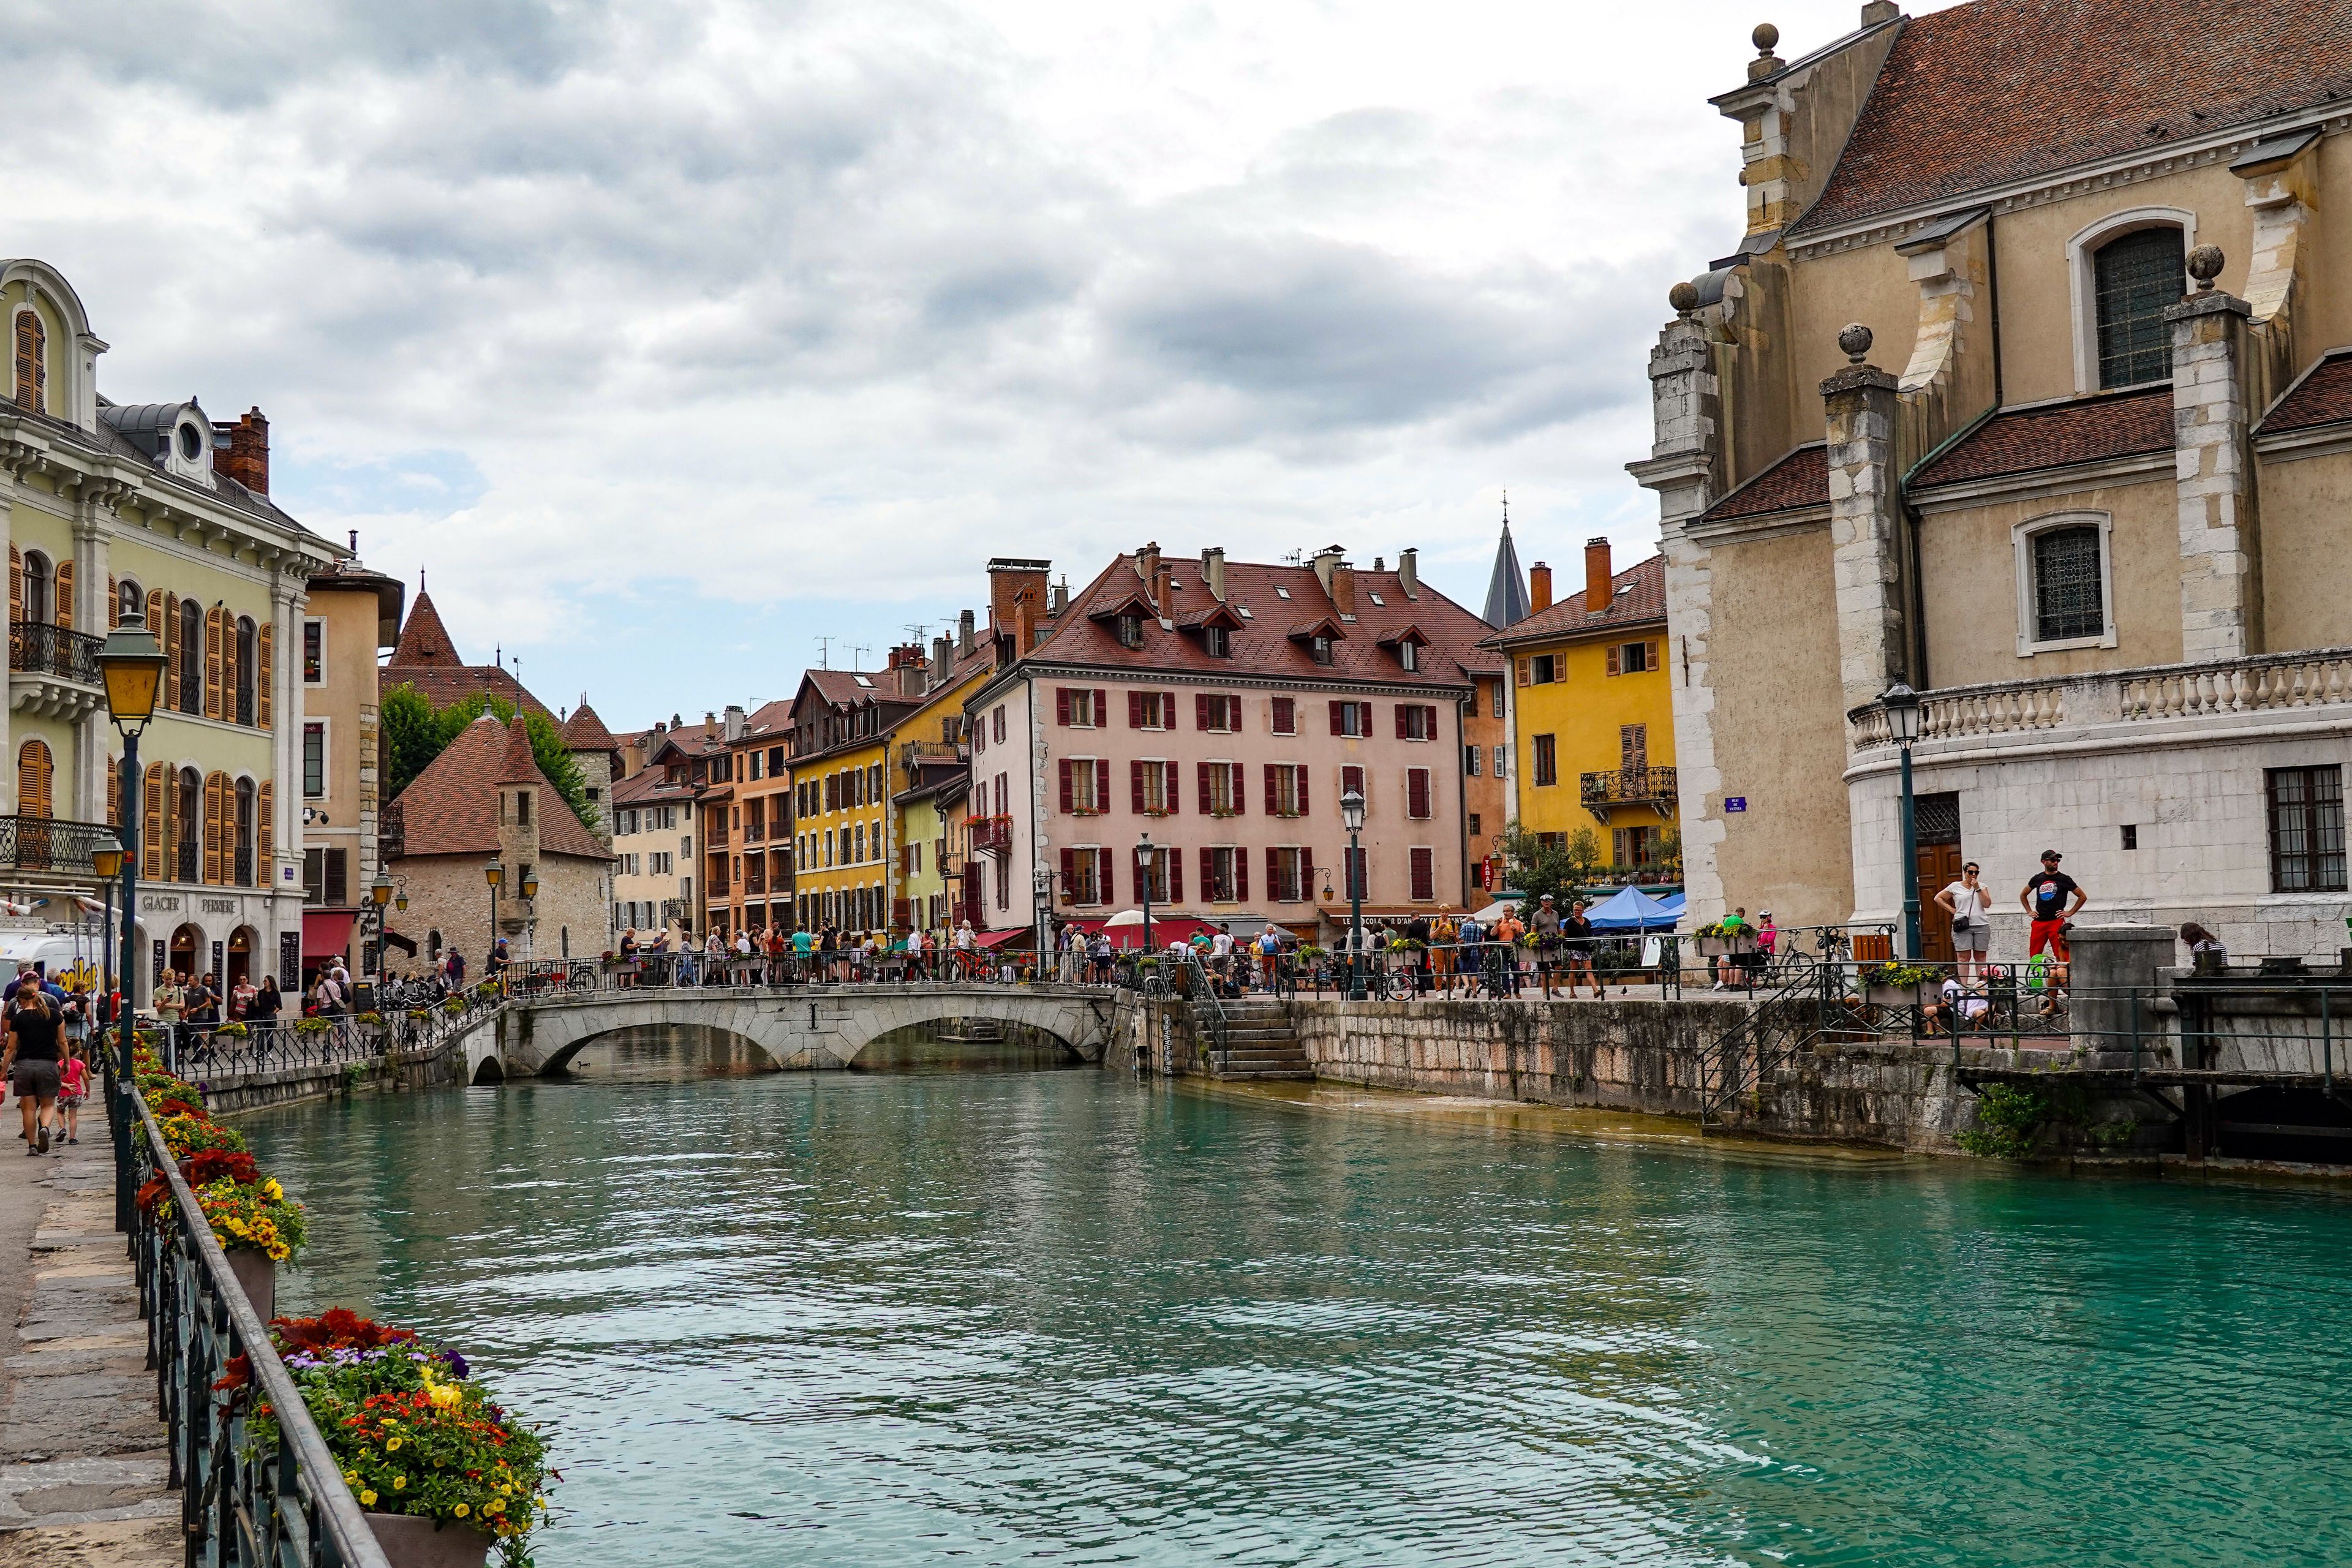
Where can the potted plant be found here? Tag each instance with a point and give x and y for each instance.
(257, 1224)
(231, 1031)
(1895, 983)
(313, 1025)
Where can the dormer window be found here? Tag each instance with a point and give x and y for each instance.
(1318, 649)
(1131, 631)
(1409, 655)
(1217, 642)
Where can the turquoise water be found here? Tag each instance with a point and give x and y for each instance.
(1054, 1317)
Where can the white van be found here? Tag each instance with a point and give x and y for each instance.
(65, 953)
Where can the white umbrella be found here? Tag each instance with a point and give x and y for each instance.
(1125, 917)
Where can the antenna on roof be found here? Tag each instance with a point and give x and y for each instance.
(920, 631)
(857, 653)
(823, 652)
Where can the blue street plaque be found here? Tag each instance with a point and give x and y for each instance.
(1734, 803)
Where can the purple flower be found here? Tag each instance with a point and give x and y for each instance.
(456, 1362)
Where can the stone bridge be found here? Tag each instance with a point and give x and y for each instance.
(812, 1028)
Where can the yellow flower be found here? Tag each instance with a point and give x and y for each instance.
(400, 1483)
(392, 1445)
(461, 1510)
(445, 1397)
(351, 1477)
(495, 1505)
(367, 1499)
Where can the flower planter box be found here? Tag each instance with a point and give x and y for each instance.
(1893, 996)
(256, 1276)
(412, 1541)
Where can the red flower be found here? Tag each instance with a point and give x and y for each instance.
(210, 1165)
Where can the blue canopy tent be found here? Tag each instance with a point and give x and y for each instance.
(1631, 909)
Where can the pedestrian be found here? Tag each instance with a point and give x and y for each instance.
(73, 1087)
(2205, 949)
(1547, 930)
(2045, 898)
(32, 1062)
(262, 1013)
(1576, 939)
(240, 998)
(169, 1000)
(1968, 903)
(1508, 931)
(1734, 926)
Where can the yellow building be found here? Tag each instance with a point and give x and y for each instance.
(1594, 736)
(842, 723)
(930, 775)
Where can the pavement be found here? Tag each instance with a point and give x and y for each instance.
(82, 1455)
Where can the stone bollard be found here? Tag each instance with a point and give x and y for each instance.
(2112, 979)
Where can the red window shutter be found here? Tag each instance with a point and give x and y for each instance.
(1208, 876)
(1106, 868)
(1339, 720)
(1061, 705)
(1102, 707)
(1301, 770)
(1424, 874)
(1199, 709)
(1272, 792)
(1285, 716)
(1240, 788)
(1102, 784)
(1134, 787)
(1307, 875)
(1429, 722)
(1273, 888)
(1069, 871)
(1066, 797)
(1204, 779)
(1241, 875)
(1416, 792)
(1175, 875)
(1171, 781)
(1135, 709)
(1364, 719)
(1403, 723)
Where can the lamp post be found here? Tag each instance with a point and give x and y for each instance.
(1041, 884)
(493, 874)
(1144, 857)
(379, 895)
(130, 665)
(107, 861)
(530, 913)
(1352, 813)
(1902, 705)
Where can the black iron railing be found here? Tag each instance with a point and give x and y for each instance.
(1629, 786)
(52, 844)
(38, 648)
(238, 1504)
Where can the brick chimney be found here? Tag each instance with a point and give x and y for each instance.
(1326, 561)
(246, 460)
(964, 634)
(1147, 567)
(1213, 572)
(1600, 582)
(1538, 587)
(1343, 589)
(1009, 580)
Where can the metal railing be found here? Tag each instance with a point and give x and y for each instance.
(1628, 786)
(39, 648)
(285, 1508)
(52, 844)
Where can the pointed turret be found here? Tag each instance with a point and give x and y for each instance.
(425, 640)
(1506, 592)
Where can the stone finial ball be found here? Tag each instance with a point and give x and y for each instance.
(1766, 36)
(1855, 342)
(1684, 297)
(2205, 265)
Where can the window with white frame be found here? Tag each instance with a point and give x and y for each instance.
(2065, 583)
(2124, 272)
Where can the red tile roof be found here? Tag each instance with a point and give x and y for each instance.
(1799, 479)
(426, 658)
(2057, 436)
(452, 807)
(2323, 397)
(2000, 90)
(423, 639)
(1265, 646)
(1640, 599)
(650, 784)
(584, 732)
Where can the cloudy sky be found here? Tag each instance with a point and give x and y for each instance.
(672, 335)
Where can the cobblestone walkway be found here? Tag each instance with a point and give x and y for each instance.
(81, 1453)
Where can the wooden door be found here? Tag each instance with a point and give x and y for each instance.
(1939, 867)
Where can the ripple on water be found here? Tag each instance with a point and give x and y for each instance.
(1015, 1317)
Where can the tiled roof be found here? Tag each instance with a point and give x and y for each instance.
(446, 684)
(2323, 397)
(423, 639)
(518, 766)
(1640, 599)
(452, 807)
(2058, 435)
(853, 687)
(1265, 647)
(583, 731)
(650, 784)
(2000, 90)
(1799, 479)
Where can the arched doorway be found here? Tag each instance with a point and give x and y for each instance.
(187, 943)
(241, 944)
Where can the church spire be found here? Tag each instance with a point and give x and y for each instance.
(1506, 592)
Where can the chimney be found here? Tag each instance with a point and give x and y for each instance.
(963, 634)
(1146, 566)
(1379, 563)
(1023, 619)
(1600, 582)
(1327, 560)
(734, 730)
(1409, 572)
(247, 459)
(1343, 589)
(1538, 587)
(907, 665)
(1876, 11)
(1008, 579)
(942, 658)
(1163, 579)
(1061, 600)
(1213, 572)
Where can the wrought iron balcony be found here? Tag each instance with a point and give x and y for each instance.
(991, 835)
(48, 844)
(37, 648)
(1651, 787)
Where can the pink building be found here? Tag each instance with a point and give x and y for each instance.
(1222, 709)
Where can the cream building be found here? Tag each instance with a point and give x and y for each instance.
(158, 508)
(353, 614)
(2031, 384)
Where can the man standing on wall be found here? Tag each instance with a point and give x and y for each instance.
(2045, 898)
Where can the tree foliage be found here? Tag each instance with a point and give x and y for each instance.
(414, 732)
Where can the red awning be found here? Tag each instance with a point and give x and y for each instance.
(327, 934)
(1000, 938)
(1165, 928)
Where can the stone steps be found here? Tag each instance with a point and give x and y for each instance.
(1260, 1044)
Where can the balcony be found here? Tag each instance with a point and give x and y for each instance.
(914, 755)
(991, 835)
(52, 671)
(45, 843)
(1651, 787)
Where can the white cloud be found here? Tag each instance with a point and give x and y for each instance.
(676, 310)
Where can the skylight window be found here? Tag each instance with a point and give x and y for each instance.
(1283, 592)
(1383, 603)
(1242, 610)
(863, 681)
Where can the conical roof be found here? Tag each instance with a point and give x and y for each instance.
(518, 765)
(1507, 591)
(425, 640)
(584, 732)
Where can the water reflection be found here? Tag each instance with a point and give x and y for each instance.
(672, 1052)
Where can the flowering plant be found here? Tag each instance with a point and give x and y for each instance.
(185, 1135)
(232, 1031)
(254, 1215)
(313, 1025)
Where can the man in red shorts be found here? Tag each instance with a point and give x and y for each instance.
(2045, 898)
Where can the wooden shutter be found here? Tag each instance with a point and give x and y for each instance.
(1300, 768)
(1273, 794)
(1338, 720)
(1102, 784)
(1238, 780)
(1307, 875)
(1424, 874)
(170, 637)
(32, 363)
(114, 793)
(1175, 875)
(16, 586)
(1614, 652)
(1135, 784)
(265, 836)
(1650, 654)
(1102, 709)
(113, 601)
(1273, 889)
(212, 831)
(1208, 874)
(1402, 722)
(1416, 792)
(65, 615)
(1526, 672)
(151, 831)
(1069, 874)
(1169, 776)
(1285, 716)
(33, 773)
(1067, 797)
(213, 618)
(1106, 868)
(1061, 705)
(1203, 778)
(1135, 709)
(155, 612)
(1199, 709)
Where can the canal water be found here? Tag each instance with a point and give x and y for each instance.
(976, 1310)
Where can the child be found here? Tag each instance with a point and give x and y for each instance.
(73, 1084)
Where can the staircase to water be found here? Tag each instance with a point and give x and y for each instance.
(1260, 1043)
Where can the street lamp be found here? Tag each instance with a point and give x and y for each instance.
(493, 874)
(107, 861)
(379, 895)
(1041, 882)
(1902, 705)
(1352, 813)
(131, 667)
(530, 912)
(1145, 857)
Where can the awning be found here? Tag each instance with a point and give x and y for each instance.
(1001, 938)
(393, 939)
(1165, 928)
(327, 934)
